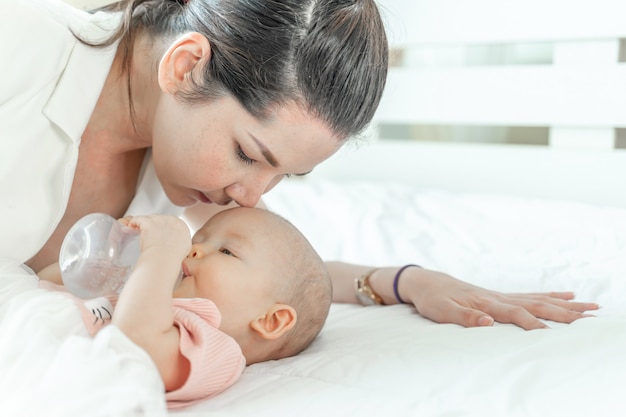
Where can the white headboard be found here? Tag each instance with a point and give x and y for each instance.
(575, 91)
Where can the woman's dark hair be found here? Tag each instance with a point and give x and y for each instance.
(330, 56)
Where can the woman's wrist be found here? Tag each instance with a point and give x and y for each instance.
(395, 284)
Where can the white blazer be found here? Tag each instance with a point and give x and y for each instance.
(49, 85)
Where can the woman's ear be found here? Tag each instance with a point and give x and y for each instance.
(180, 59)
(278, 321)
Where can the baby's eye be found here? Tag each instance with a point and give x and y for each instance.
(226, 252)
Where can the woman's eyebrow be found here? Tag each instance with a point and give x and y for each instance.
(267, 154)
(269, 157)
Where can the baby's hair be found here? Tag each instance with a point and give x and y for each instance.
(308, 289)
(329, 56)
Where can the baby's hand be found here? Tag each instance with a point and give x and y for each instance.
(159, 231)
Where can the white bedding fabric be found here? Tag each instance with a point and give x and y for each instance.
(377, 360)
(50, 367)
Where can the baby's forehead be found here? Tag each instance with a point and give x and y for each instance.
(252, 224)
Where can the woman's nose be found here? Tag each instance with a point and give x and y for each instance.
(244, 196)
(248, 194)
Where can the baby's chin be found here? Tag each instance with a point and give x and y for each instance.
(184, 288)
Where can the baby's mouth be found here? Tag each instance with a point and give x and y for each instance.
(184, 270)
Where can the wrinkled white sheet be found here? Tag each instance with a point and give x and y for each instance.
(50, 367)
(389, 361)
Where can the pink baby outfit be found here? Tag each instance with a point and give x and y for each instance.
(215, 357)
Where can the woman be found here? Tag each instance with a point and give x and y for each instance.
(153, 105)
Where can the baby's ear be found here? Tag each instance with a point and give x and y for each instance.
(277, 322)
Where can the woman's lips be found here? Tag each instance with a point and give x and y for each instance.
(204, 199)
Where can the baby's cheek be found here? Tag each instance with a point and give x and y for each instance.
(183, 290)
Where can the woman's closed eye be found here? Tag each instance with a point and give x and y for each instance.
(243, 157)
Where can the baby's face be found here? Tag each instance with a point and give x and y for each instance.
(232, 263)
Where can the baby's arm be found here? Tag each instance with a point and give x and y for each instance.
(144, 310)
(51, 273)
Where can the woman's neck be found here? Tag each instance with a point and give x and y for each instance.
(127, 127)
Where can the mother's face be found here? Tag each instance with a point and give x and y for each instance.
(218, 152)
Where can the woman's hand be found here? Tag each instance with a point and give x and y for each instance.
(444, 299)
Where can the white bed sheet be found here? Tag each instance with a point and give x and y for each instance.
(377, 360)
(389, 361)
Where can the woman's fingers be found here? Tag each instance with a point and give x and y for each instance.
(523, 310)
(561, 299)
(449, 311)
(556, 309)
(445, 299)
(563, 295)
(501, 313)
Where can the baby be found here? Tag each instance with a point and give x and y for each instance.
(253, 289)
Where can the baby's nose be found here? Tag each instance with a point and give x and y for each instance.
(195, 252)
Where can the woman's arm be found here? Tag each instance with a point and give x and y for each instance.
(144, 310)
(444, 299)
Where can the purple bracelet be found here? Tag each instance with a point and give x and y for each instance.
(396, 280)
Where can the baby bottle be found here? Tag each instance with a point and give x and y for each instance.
(97, 256)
